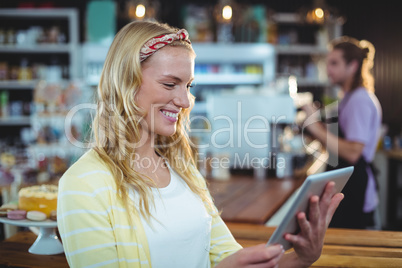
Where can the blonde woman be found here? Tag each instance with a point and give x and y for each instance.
(136, 199)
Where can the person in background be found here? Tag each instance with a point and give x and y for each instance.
(136, 199)
(349, 65)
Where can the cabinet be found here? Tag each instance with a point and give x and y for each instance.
(301, 49)
(296, 48)
(39, 71)
(226, 66)
(34, 44)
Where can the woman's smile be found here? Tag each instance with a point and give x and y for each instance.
(171, 116)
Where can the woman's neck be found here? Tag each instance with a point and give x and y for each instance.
(347, 86)
(146, 150)
(145, 156)
(146, 161)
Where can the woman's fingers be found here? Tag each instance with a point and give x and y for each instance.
(314, 209)
(335, 201)
(273, 263)
(254, 257)
(330, 201)
(309, 241)
(294, 239)
(327, 195)
(260, 254)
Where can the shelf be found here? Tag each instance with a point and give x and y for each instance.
(16, 85)
(296, 18)
(53, 146)
(262, 54)
(287, 18)
(56, 149)
(31, 14)
(228, 79)
(300, 50)
(25, 84)
(311, 82)
(39, 48)
(38, 12)
(15, 121)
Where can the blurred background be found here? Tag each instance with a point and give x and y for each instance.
(271, 54)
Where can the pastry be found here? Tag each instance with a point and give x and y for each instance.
(16, 214)
(41, 198)
(34, 215)
(8, 206)
(5, 208)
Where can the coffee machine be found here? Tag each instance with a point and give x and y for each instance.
(253, 131)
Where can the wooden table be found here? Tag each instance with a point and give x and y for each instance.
(249, 200)
(14, 253)
(245, 199)
(342, 247)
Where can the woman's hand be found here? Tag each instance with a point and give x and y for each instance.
(313, 122)
(309, 241)
(313, 115)
(254, 257)
(311, 110)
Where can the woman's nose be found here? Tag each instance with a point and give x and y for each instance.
(182, 99)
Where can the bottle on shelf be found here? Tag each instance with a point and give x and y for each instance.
(10, 37)
(3, 70)
(2, 36)
(4, 103)
(25, 72)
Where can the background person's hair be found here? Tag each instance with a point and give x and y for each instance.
(118, 121)
(361, 51)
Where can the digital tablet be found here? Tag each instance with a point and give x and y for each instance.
(313, 185)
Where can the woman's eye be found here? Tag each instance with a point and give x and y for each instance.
(189, 86)
(169, 85)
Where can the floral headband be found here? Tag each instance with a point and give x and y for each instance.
(157, 42)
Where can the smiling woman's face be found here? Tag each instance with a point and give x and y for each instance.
(167, 76)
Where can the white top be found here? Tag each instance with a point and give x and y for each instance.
(182, 236)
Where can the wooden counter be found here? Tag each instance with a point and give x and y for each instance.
(342, 247)
(244, 199)
(248, 200)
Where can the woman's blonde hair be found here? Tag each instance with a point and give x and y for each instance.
(361, 51)
(117, 123)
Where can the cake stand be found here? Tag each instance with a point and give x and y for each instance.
(47, 242)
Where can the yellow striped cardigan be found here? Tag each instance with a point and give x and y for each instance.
(94, 225)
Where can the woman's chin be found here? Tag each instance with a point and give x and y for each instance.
(167, 132)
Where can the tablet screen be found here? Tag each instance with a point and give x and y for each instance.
(313, 185)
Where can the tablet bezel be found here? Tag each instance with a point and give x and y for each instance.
(313, 185)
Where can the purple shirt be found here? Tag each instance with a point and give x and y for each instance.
(360, 117)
